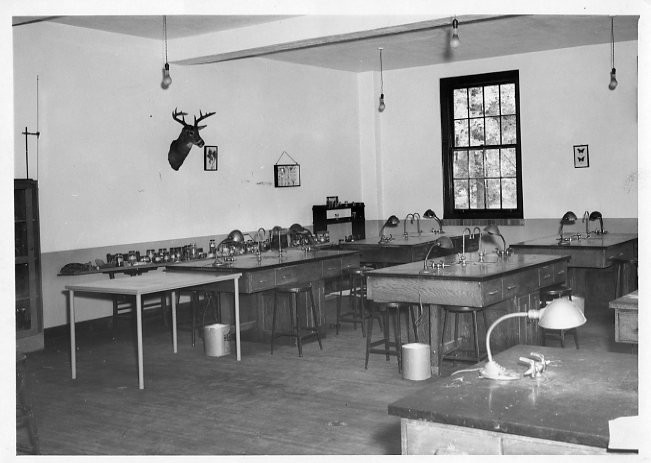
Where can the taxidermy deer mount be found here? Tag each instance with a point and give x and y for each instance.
(180, 148)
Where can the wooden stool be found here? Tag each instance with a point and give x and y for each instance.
(357, 286)
(24, 414)
(383, 312)
(549, 294)
(293, 292)
(458, 311)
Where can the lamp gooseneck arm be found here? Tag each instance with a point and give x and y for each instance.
(497, 322)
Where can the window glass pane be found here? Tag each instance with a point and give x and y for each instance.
(460, 103)
(476, 161)
(461, 133)
(492, 130)
(509, 193)
(476, 102)
(508, 98)
(492, 161)
(477, 194)
(493, 194)
(460, 164)
(492, 100)
(508, 129)
(508, 162)
(461, 194)
(476, 132)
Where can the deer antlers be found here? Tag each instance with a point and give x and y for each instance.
(202, 116)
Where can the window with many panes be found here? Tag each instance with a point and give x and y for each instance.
(480, 125)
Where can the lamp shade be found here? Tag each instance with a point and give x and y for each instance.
(429, 214)
(492, 229)
(561, 314)
(595, 215)
(568, 218)
(392, 221)
(444, 242)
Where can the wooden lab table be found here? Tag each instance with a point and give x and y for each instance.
(626, 328)
(591, 273)
(147, 284)
(261, 277)
(564, 411)
(500, 286)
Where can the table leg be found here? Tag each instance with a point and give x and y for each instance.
(141, 376)
(237, 318)
(73, 347)
(174, 321)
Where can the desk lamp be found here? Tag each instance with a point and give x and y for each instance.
(560, 314)
(443, 242)
(568, 219)
(596, 215)
(392, 222)
(493, 229)
(430, 214)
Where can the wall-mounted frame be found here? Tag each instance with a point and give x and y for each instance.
(210, 158)
(287, 175)
(581, 156)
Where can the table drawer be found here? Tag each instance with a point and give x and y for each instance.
(298, 273)
(546, 276)
(260, 281)
(626, 329)
(492, 291)
(523, 283)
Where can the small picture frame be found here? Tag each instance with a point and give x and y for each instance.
(287, 175)
(581, 156)
(210, 158)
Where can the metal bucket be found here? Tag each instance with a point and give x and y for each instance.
(416, 361)
(215, 340)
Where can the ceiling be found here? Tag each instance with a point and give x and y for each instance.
(420, 44)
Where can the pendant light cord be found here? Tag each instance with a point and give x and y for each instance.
(165, 35)
(612, 42)
(381, 74)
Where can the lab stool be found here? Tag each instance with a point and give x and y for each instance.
(547, 295)
(292, 292)
(451, 353)
(24, 414)
(625, 264)
(357, 285)
(383, 313)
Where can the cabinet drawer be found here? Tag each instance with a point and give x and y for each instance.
(546, 276)
(522, 283)
(492, 291)
(560, 272)
(626, 327)
(298, 273)
(260, 281)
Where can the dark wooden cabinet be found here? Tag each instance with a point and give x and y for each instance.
(29, 303)
(350, 212)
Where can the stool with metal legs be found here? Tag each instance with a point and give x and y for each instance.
(385, 312)
(357, 286)
(299, 327)
(547, 295)
(452, 354)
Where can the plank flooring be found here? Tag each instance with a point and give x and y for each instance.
(325, 403)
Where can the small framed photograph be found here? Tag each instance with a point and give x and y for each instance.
(287, 175)
(210, 158)
(581, 156)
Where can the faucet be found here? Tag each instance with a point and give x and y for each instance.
(463, 245)
(479, 250)
(586, 220)
(416, 215)
(404, 225)
(257, 237)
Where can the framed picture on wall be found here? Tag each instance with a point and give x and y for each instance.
(287, 175)
(581, 156)
(210, 158)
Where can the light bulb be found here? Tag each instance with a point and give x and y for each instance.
(167, 80)
(454, 41)
(613, 81)
(382, 105)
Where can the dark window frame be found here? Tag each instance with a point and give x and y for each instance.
(447, 87)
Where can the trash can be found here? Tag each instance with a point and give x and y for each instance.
(216, 340)
(416, 361)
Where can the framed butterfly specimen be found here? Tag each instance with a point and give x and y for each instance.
(581, 156)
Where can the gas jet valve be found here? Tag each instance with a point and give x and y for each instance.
(537, 365)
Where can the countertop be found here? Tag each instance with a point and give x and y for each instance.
(572, 402)
(596, 241)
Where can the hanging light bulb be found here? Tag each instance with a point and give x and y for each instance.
(454, 41)
(167, 80)
(382, 106)
(613, 80)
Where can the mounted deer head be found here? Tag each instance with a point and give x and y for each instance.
(180, 148)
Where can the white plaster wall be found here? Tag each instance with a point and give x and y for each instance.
(106, 127)
(564, 101)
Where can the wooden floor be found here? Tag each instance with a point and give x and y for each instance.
(322, 404)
